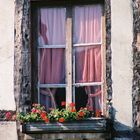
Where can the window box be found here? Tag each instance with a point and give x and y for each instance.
(88, 125)
(93, 127)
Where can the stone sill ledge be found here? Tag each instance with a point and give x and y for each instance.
(96, 125)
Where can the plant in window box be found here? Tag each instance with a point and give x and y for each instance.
(7, 115)
(38, 113)
(68, 114)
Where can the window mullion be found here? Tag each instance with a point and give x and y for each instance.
(52, 85)
(73, 64)
(103, 57)
(88, 44)
(69, 55)
(52, 46)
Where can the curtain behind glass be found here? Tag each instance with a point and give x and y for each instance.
(52, 32)
(88, 65)
(52, 60)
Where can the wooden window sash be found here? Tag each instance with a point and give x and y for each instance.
(102, 84)
(52, 46)
(38, 88)
(69, 55)
(88, 84)
(73, 87)
(52, 85)
(70, 66)
(103, 58)
(87, 44)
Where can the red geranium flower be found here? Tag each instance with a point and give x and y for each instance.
(81, 114)
(61, 120)
(34, 110)
(43, 115)
(98, 113)
(46, 120)
(73, 110)
(72, 104)
(63, 103)
(14, 117)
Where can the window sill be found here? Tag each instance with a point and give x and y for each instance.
(95, 125)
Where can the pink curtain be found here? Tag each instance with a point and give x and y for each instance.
(52, 60)
(87, 29)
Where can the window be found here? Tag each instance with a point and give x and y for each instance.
(70, 55)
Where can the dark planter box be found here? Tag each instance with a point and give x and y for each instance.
(89, 125)
(93, 128)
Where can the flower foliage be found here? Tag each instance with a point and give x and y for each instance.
(38, 113)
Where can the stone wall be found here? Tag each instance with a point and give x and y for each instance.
(22, 56)
(136, 64)
(108, 57)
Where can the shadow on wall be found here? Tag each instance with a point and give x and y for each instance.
(121, 131)
(116, 124)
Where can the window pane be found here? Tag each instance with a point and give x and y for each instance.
(52, 66)
(90, 97)
(88, 65)
(52, 26)
(52, 97)
(87, 24)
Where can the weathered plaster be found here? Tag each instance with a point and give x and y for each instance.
(7, 55)
(122, 73)
(8, 131)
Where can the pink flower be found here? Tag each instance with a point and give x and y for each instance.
(14, 117)
(34, 110)
(8, 115)
(35, 105)
(63, 103)
(38, 111)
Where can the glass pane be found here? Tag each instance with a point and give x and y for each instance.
(90, 97)
(88, 65)
(87, 24)
(52, 26)
(52, 66)
(52, 98)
